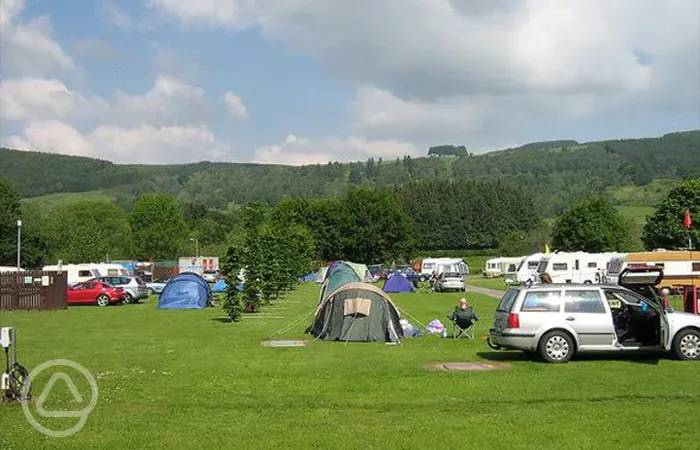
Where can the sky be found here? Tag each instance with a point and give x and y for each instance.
(311, 81)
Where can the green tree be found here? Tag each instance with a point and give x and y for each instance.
(664, 228)
(374, 227)
(591, 225)
(9, 213)
(158, 226)
(89, 231)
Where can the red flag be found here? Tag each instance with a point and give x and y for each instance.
(687, 220)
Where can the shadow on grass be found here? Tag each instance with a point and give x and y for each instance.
(222, 319)
(641, 358)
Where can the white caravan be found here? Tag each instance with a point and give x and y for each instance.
(497, 267)
(578, 267)
(440, 265)
(83, 272)
(527, 270)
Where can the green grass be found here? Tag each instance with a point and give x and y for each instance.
(491, 283)
(184, 379)
(50, 202)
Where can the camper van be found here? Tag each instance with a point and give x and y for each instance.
(526, 271)
(439, 265)
(578, 267)
(497, 267)
(681, 268)
(83, 272)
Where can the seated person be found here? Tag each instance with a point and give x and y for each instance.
(463, 315)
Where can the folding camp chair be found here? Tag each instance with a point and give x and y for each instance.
(463, 332)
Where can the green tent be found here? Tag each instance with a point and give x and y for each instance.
(357, 312)
(338, 274)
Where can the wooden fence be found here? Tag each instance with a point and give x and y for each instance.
(30, 290)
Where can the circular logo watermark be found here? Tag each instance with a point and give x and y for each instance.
(81, 414)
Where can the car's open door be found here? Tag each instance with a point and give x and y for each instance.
(644, 281)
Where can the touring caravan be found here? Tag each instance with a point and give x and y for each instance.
(681, 268)
(527, 270)
(83, 272)
(440, 265)
(497, 267)
(578, 267)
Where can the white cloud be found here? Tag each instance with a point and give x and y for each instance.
(298, 150)
(29, 98)
(169, 101)
(28, 48)
(235, 105)
(145, 144)
(51, 136)
(114, 15)
(216, 12)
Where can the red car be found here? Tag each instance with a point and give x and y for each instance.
(94, 292)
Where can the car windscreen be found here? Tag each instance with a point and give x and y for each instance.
(507, 301)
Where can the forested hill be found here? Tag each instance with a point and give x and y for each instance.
(554, 172)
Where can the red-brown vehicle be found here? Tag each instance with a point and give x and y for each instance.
(94, 292)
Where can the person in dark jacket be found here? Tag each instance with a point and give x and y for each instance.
(463, 314)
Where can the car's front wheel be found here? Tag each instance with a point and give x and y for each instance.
(686, 345)
(102, 300)
(151, 292)
(556, 347)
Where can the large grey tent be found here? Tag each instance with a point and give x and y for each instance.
(357, 311)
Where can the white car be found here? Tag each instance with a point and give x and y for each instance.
(450, 281)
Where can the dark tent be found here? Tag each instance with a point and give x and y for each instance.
(397, 282)
(185, 291)
(338, 274)
(357, 312)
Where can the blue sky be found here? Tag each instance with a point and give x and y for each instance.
(306, 81)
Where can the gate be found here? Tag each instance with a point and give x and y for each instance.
(33, 289)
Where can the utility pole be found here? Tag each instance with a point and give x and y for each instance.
(19, 243)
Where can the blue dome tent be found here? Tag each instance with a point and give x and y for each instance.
(397, 282)
(185, 291)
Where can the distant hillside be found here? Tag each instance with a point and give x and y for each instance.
(555, 173)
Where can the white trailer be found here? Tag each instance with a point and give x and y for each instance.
(527, 270)
(198, 264)
(577, 267)
(440, 265)
(497, 267)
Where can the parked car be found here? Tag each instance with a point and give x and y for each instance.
(558, 321)
(134, 287)
(94, 292)
(155, 287)
(210, 276)
(449, 281)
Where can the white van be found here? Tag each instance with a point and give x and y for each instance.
(497, 267)
(527, 270)
(440, 265)
(578, 267)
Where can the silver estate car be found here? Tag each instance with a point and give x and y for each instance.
(558, 321)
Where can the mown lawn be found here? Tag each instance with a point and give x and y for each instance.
(184, 379)
(491, 283)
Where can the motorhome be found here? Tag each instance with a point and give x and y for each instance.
(497, 267)
(526, 271)
(440, 265)
(680, 268)
(83, 272)
(578, 267)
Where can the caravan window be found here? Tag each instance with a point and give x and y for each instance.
(559, 266)
(592, 265)
(542, 266)
(84, 273)
(532, 265)
(696, 267)
(428, 266)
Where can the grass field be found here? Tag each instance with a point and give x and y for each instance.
(491, 283)
(185, 379)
